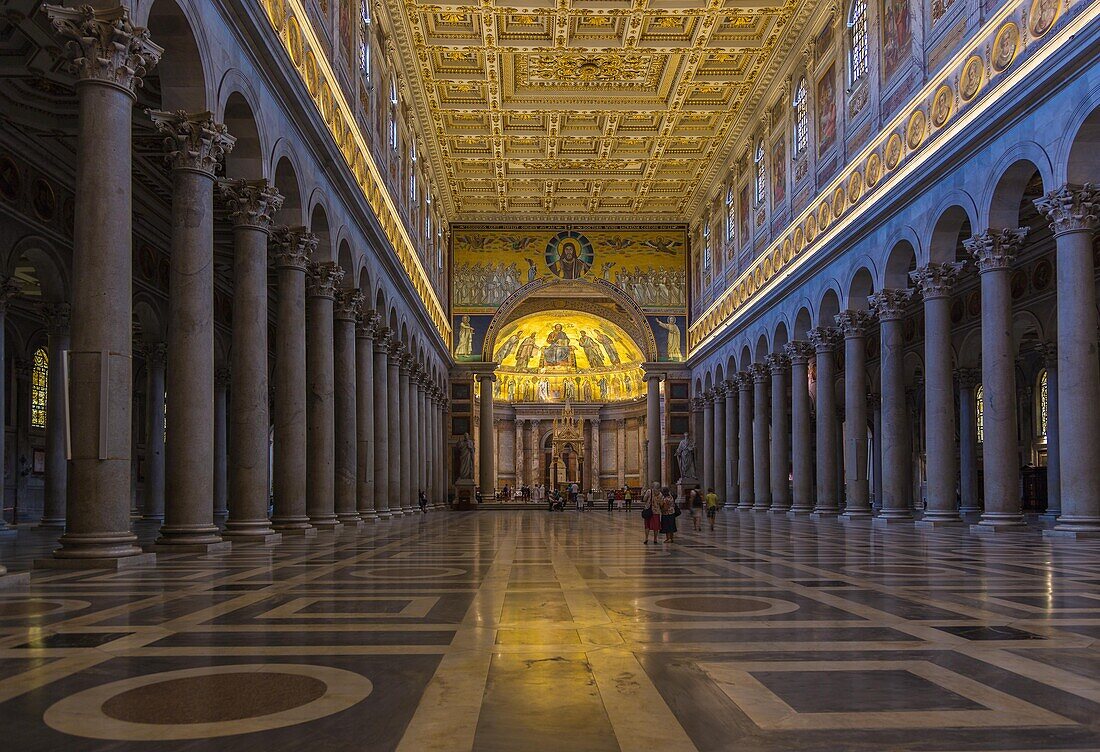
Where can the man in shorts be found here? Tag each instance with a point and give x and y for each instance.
(712, 506)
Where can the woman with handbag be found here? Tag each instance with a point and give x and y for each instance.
(651, 513)
(669, 513)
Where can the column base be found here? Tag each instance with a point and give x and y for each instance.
(744, 506)
(150, 517)
(297, 532)
(369, 516)
(970, 510)
(163, 546)
(1061, 534)
(999, 523)
(112, 562)
(778, 510)
(242, 530)
(891, 520)
(325, 523)
(932, 523)
(188, 535)
(824, 513)
(52, 522)
(349, 518)
(799, 511)
(15, 581)
(262, 539)
(221, 516)
(761, 507)
(352, 524)
(385, 515)
(1075, 527)
(859, 513)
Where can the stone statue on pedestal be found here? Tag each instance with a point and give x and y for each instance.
(465, 458)
(685, 458)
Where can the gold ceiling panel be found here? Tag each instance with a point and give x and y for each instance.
(587, 106)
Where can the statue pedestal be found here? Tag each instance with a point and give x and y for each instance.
(683, 488)
(465, 500)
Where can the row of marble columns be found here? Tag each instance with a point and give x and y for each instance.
(331, 353)
(754, 459)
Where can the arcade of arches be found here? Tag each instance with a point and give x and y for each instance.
(304, 304)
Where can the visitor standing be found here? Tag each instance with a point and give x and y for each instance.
(669, 512)
(422, 501)
(651, 513)
(695, 507)
(712, 506)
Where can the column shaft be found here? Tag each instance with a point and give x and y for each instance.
(828, 492)
(57, 464)
(364, 416)
(761, 439)
(729, 493)
(745, 472)
(380, 429)
(780, 367)
(221, 491)
(719, 434)
(852, 324)
(155, 355)
(968, 441)
(320, 390)
(345, 406)
(1054, 453)
(404, 437)
(706, 441)
(486, 469)
(802, 473)
(897, 476)
(653, 428)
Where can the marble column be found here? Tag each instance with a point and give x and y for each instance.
(780, 368)
(486, 466)
(595, 423)
(620, 452)
(1054, 453)
(706, 440)
(405, 490)
(1073, 211)
(761, 438)
(9, 288)
(395, 356)
(536, 453)
(802, 472)
(745, 472)
(853, 327)
(345, 405)
(379, 428)
(439, 479)
(729, 493)
(321, 282)
(195, 144)
(221, 491)
(416, 456)
(156, 356)
(874, 406)
(517, 432)
(719, 440)
(293, 249)
(824, 340)
(653, 427)
(57, 463)
(425, 466)
(251, 205)
(934, 281)
(968, 379)
(897, 462)
(109, 57)
(365, 330)
(994, 252)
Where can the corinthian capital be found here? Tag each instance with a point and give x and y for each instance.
(936, 280)
(292, 247)
(889, 304)
(995, 250)
(799, 351)
(853, 323)
(322, 278)
(759, 373)
(777, 363)
(103, 46)
(823, 338)
(251, 203)
(192, 141)
(347, 304)
(1071, 208)
(57, 316)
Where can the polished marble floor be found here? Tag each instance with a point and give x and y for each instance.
(524, 631)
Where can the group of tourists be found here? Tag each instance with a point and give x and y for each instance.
(660, 510)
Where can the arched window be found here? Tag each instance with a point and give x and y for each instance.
(731, 213)
(979, 412)
(412, 173)
(439, 249)
(761, 173)
(1042, 404)
(706, 244)
(428, 220)
(393, 112)
(801, 118)
(857, 41)
(364, 41)
(40, 374)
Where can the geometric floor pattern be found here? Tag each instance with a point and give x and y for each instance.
(530, 631)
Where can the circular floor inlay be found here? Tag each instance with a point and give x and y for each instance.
(31, 607)
(211, 701)
(715, 605)
(415, 572)
(214, 699)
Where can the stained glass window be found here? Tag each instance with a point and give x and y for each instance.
(761, 173)
(801, 118)
(979, 412)
(857, 30)
(40, 373)
(1043, 403)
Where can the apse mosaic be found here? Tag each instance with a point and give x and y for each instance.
(490, 263)
(569, 356)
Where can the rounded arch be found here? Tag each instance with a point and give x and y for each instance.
(746, 357)
(719, 374)
(803, 322)
(708, 383)
(150, 323)
(779, 336)
(1013, 181)
(954, 224)
(901, 261)
(860, 287)
(39, 267)
(579, 288)
(182, 69)
(286, 180)
(828, 308)
(1027, 330)
(246, 160)
(731, 365)
(346, 261)
(318, 225)
(1082, 160)
(761, 351)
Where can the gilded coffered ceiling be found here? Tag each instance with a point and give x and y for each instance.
(589, 108)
